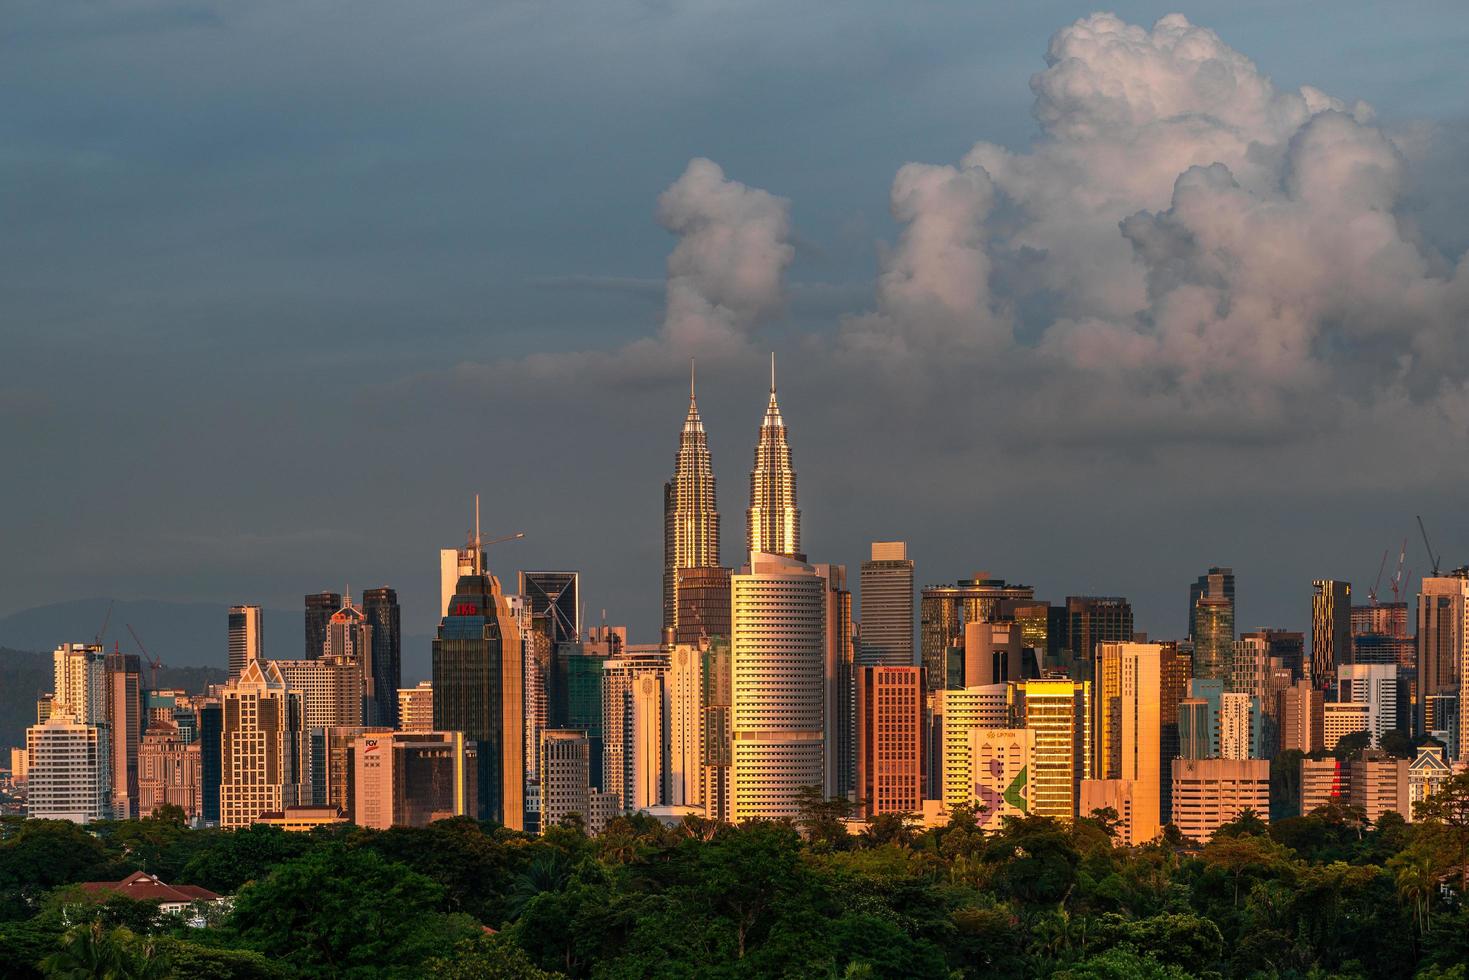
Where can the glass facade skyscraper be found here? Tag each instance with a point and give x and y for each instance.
(690, 513)
(380, 606)
(773, 522)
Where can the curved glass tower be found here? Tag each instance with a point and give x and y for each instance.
(690, 510)
(773, 522)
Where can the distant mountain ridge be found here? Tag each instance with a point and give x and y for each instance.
(181, 634)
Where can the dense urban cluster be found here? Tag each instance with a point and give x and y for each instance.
(958, 779)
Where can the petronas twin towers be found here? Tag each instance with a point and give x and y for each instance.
(691, 511)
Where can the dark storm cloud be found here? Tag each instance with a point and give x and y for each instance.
(284, 283)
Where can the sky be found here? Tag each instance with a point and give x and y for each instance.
(1085, 300)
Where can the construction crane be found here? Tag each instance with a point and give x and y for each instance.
(1398, 581)
(1433, 559)
(154, 664)
(97, 640)
(1372, 592)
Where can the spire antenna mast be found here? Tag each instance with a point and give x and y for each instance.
(691, 379)
(772, 372)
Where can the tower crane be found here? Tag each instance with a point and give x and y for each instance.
(1433, 559)
(154, 664)
(97, 640)
(1397, 582)
(1372, 592)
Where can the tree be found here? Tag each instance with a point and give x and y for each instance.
(822, 819)
(486, 957)
(888, 828)
(1350, 744)
(94, 951)
(746, 871)
(1396, 742)
(1449, 808)
(43, 854)
(1285, 784)
(345, 911)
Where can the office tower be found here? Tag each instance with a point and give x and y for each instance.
(604, 807)
(887, 607)
(1217, 582)
(457, 562)
(1173, 680)
(956, 713)
(1209, 793)
(479, 690)
(380, 607)
(170, 771)
(1211, 692)
(1342, 718)
(690, 511)
(403, 779)
(555, 603)
(999, 761)
(717, 680)
(632, 726)
(1331, 629)
(260, 747)
(1426, 775)
(1286, 646)
(1241, 728)
(946, 610)
(583, 670)
(1058, 712)
(20, 765)
(1382, 618)
(416, 708)
(1324, 782)
(539, 672)
(1097, 619)
(320, 607)
(565, 774)
(684, 712)
(1443, 607)
(1441, 720)
(211, 756)
(124, 728)
(703, 604)
(839, 762)
(1121, 796)
(890, 747)
(330, 689)
(246, 637)
(1379, 785)
(778, 653)
(1214, 637)
(331, 765)
(773, 523)
(1301, 714)
(68, 771)
(1140, 736)
(1195, 729)
(1375, 685)
(1043, 628)
(992, 653)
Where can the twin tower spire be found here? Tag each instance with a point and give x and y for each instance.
(691, 511)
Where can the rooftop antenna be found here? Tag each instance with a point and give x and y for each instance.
(772, 372)
(691, 379)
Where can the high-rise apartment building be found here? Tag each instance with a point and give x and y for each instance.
(1443, 611)
(1331, 629)
(945, 612)
(1058, 712)
(1375, 685)
(1209, 793)
(1241, 726)
(890, 745)
(68, 770)
(261, 746)
(478, 690)
(80, 683)
(773, 521)
(246, 637)
(416, 708)
(1301, 714)
(778, 661)
(384, 619)
(690, 511)
(887, 607)
(402, 779)
(320, 607)
(703, 604)
(565, 773)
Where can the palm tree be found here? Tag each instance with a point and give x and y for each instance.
(91, 951)
(1416, 883)
(548, 871)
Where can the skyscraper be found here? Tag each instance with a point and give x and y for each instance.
(380, 606)
(773, 522)
(945, 611)
(1058, 713)
(1443, 610)
(1216, 582)
(1096, 619)
(1331, 629)
(703, 604)
(1134, 730)
(887, 607)
(125, 727)
(260, 747)
(246, 638)
(683, 711)
(68, 771)
(779, 686)
(320, 606)
(1213, 637)
(690, 511)
(565, 788)
(478, 690)
(890, 757)
(555, 604)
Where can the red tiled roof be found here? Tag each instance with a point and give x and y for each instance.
(143, 887)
